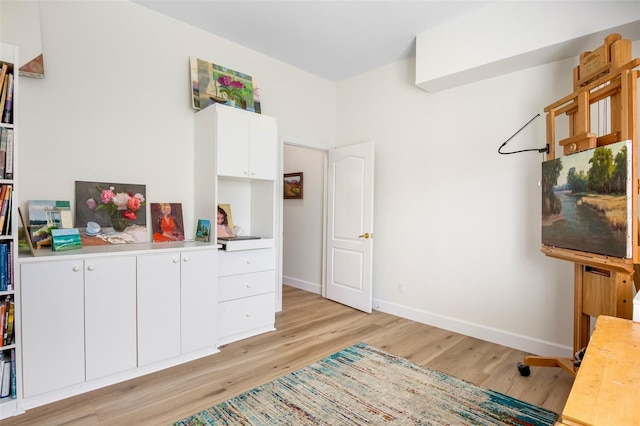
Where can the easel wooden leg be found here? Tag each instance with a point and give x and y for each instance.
(597, 292)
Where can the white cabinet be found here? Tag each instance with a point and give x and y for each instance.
(199, 295)
(110, 315)
(78, 321)
(246, 294)
(235, 162)
(100, 315)
(52, 326)
(177, 304)
(246, 144)
(158, 307)
(243, 148)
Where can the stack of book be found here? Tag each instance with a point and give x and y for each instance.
(6, 95)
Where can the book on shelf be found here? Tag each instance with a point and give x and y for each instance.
(10, 321)
(3, 151)
(14, 389)
(3, 96)
(5, 388)
(10, 266)
(6, 339)
(4, 259)
(5, 202)
(3, 73)
(2, 309)
(6, 212)
(8, 167)
(8, 105)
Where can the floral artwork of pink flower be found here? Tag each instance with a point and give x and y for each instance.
(225, 80)
(106, 195)
(122, 204)
(121, 199)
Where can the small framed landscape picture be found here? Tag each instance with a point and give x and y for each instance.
(203, 230)
(293, 185)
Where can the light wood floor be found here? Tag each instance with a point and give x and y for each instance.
(308, 329)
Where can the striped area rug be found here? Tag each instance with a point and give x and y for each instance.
(362, 385)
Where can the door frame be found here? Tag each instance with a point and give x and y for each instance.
(285, 140)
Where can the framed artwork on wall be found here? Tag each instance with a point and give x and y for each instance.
(212, 83)
(293, 185)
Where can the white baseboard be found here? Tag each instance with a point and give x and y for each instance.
(302, 285)
(489, 334)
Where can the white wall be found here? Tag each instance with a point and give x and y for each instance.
(506, 36)
(115, 103)
(302, 238)
(457, 223)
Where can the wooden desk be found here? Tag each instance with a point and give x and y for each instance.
(607, 387)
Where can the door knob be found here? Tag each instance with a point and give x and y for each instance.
(365, 235)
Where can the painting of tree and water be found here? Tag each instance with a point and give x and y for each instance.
(586, 201)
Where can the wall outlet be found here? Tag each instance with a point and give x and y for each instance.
(400, 287)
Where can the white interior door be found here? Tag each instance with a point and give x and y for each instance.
(350, 225)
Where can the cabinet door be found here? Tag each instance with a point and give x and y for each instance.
(263, 149)
(232, 143)
(52, 326)
(158, 307)
(110, 315)
(199, 301)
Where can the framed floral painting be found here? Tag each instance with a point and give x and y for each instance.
(211, 83)
(111, 205)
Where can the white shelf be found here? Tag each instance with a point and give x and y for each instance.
(11, 406)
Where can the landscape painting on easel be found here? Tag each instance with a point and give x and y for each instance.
(586, 201)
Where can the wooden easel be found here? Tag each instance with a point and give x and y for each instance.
(603, 285)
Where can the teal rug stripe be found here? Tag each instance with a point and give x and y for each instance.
(363, 385)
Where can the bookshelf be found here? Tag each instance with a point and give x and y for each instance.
(9, 287)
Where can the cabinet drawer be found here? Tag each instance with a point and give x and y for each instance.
(245, 285)
(242, 315)
(246, 261)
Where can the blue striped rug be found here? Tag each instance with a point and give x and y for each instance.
(362, 385)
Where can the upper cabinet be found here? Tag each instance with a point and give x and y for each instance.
(246, 144)
(236, 163)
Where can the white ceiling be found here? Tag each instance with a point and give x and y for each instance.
(331, 39)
